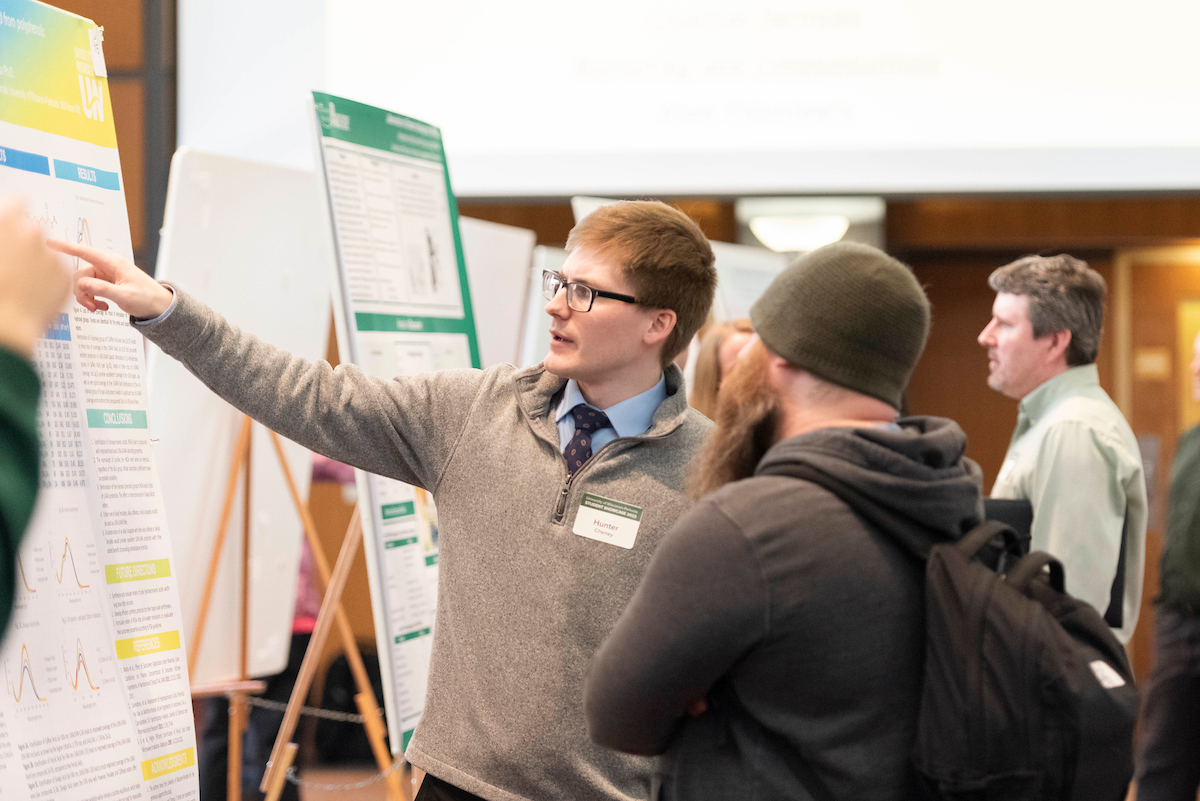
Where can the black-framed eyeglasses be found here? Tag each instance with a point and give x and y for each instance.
(580, 297)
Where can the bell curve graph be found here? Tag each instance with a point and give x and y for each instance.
(60, 572)
(80, 667)
(17, 688)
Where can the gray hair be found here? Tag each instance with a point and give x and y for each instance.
(1064, 295)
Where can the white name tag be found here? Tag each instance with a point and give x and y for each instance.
(607, 520)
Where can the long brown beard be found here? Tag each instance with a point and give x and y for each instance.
(747, 421)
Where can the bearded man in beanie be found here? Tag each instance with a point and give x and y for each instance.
(774, 648)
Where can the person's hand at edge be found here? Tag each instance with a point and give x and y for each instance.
(33, 281)
(108, 275)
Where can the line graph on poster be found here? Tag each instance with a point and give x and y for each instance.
(22, 686)
(66, 568)
(23, 579)
(83, 236)
(31, 582)
(77, 672)
(89, 669)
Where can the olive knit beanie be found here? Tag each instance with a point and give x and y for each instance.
(850, 314)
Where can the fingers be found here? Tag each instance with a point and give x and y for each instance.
(85, 285)
(103, 259)
(86, 290)
(114, 277)
(97, 286)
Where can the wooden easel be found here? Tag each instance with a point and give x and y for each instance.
(331, 609)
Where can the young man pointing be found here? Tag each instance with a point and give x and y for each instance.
(519, 462)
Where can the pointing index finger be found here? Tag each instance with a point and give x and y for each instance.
(89, 254)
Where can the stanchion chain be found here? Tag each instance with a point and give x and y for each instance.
(295, 779)
(328, 714)
(311, 711)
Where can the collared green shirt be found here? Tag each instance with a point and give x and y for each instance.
(1075, 459)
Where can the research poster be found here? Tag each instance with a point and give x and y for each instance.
(403, 307)
(96, 702)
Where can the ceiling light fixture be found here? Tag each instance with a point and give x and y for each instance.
(790, 234)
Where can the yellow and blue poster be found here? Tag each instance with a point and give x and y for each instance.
(96, 701)
(58, 146)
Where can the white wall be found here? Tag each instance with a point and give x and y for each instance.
(246, 68)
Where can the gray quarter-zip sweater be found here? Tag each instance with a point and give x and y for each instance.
(522, 601)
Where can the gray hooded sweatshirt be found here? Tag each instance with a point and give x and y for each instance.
(523, 602)
(801, 626)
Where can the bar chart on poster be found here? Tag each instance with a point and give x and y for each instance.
(96, 701)
(402, 306)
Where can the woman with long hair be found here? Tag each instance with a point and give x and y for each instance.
(719, 349)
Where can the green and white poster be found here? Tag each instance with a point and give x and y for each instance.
(402, 307)
(96, 703)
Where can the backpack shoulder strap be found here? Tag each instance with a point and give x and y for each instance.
(909, 534)
(1030, 566)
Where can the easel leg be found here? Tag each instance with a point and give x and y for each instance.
(276, 789)
(308, 668)
(238, 720)
(237, 726)
(375, 735)
(240, 454)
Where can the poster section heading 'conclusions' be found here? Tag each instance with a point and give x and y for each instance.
(402, 307)
(96, 702)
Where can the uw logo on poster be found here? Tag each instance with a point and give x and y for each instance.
(53, 78)
(91, 91)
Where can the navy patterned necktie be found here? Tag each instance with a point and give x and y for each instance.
(587, 422)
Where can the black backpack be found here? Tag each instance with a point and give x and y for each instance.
(1027, 694)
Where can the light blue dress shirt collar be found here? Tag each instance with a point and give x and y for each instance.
(629, 418)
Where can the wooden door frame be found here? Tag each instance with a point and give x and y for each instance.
(1121, 294)
(1124, 262)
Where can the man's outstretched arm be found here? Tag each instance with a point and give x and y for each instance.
(701, 604)
(403, 428)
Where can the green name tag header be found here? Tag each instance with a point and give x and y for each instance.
(612, 507)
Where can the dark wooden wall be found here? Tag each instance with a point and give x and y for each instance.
(139, 51)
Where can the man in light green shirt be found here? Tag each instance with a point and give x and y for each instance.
(1073, 455)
